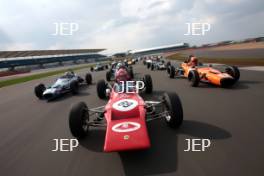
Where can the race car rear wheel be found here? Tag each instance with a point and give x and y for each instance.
(194, 78)
(148, 84)
(131, 72)
(108, 76)
(171, 71)
(91, 69)
(74, 87)
(234, 72)
(101, 89)
(39, 89)
(168, 64)
(78, 118)
(148, 65)
(152, 66)
(88, 78)
(173, 105)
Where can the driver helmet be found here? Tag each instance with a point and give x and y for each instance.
(118, 65)
(122, 75)
(194, 61)
(68, 73)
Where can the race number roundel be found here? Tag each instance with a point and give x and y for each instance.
(125, 127)
(125, 105)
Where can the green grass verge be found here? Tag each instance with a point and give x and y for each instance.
(18, 80)
(228, 61)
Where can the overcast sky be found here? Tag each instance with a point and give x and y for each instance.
(121, 25)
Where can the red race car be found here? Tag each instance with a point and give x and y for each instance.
(125, 116)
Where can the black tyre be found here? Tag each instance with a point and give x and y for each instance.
(101, 89)
(108, 76)
(74, 87)
(234, 72)
(194, 78)
(148, 65)
(152, 66)
(131, 73)
(78, 118)
(171, 71)
(88, 78)
(91, 69)
(148, 84)
(106, 67)
(39, 89)
(168, 64)
(175, 112)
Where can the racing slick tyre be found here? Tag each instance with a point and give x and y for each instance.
(234, 72)
(88, 78)
(148, 84)
(80, 79)
(131, 72)
(168, 64)
(106, 67)
(171, 71)
(74, 87)
(78, 118)
(91, 69)
(108, 76)
(101, 89)
(148, 65)
(194, 78)
(152, 67)
(39, 89)
(175, 112)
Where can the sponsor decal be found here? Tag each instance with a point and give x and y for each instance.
(126, 137)
(125, 105)
(125, 127)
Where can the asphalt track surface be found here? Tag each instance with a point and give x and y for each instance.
(231, 118)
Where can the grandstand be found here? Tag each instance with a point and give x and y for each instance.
(160, 49)
(12, 59)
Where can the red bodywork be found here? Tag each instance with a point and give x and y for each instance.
(126, 124)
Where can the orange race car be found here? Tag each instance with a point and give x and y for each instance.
(223, 76)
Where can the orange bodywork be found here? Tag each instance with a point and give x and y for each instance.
(207, 74)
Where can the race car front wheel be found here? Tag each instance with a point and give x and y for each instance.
(173, 105)
(234, 72)
(131, 72)
(74, 87)
(171, 71)
(194, 78)
(39, 89)
(148, 84)
(78, 120)
(88, 78)
(101, 89)
(108, 76)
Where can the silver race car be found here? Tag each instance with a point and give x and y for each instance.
(69, 82)
(158, 65)
(99, 67)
